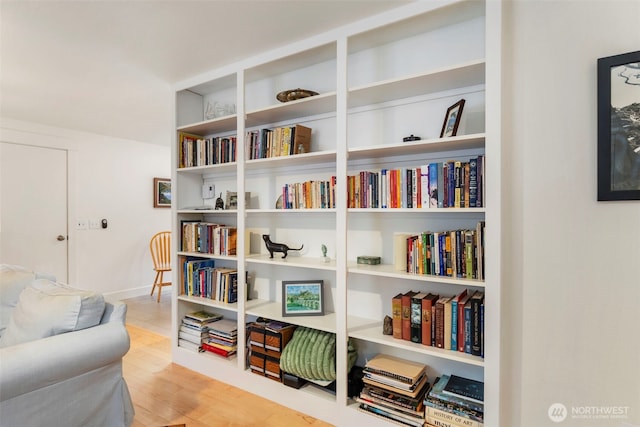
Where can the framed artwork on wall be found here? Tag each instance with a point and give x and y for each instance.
(302, 298)
(619, 127)
(161, 193)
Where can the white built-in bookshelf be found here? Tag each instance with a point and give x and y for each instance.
(379, 80)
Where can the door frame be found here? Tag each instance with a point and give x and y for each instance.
(48, 141)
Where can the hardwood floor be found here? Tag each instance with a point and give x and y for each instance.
(167, 394)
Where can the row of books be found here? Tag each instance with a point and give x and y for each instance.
(209, 238)
(449, 322)
(204, 331)
(310, 195)
(200, 278)
(194, 150)
(456, 253)
(451, 184)
(394, 389)
(277, 142)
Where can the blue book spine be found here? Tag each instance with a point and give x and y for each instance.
(454, 323)
(467, 329)
(433, 185)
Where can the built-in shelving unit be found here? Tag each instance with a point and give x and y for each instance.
(379, 80)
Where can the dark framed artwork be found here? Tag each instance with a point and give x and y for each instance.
(619, 127)
(302, 298)
(452, 119)
(161, 193)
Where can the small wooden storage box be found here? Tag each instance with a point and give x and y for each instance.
(264, 365)
(271, 341)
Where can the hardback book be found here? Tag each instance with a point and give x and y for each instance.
(406, 315)
(436, 392)
(476, 327)
(465, 387)
(416, 317)
(428, 304)
(301, 136)
(403, 370)
(454, 318)
(396, 315)
(462, 302)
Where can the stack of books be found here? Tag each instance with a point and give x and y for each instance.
(455, 401)
(223, 338)
(194, 329)
(394, 389)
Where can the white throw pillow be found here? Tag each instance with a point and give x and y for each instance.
(46, 308)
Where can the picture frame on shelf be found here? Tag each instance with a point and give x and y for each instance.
(618, 134)
(161, 192)
(452, 119)
(302, 298)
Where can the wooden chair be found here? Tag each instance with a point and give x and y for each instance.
(160, 247)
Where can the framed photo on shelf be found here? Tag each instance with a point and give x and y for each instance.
(452, 119)
(302, 298)
(161, 193)
(619, 127)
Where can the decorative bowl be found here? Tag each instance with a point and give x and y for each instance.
(293, 94)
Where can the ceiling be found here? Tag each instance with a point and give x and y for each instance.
(107, 67)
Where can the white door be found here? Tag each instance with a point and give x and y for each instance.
(33, 208)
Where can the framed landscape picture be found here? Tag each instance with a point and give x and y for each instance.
(452, 119)
(619, 127)
(161, 193)
(302, 298)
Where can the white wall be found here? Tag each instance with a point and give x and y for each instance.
(113, 179)
(572, 282)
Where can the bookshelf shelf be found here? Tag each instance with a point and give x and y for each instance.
(298, 160)
(206, 127)
(388, 270)
(454, 143)
(292, 261)
(273, 310)
(313, 105)
(461, 75)
(379, 80)
(370, 330)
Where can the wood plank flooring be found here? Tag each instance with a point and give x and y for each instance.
(165, 394)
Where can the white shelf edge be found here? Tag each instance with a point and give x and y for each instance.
(371, 330)
(273, 310)
(300, 262)
(208, 256)
(279, 211)
(387, 270)
(419, 210)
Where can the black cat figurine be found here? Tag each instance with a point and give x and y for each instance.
(277, 247)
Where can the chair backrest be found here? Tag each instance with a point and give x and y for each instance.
(160, 247)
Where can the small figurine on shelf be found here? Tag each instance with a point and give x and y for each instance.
(277, 247)
(324, 253)
(387, 326)
(219, 203)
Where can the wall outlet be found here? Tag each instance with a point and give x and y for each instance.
(82, 224)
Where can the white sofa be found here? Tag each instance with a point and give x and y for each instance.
(70, 374)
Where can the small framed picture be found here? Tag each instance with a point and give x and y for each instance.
(161, 193)
(619, 127)
(302, 298)
(452, 119)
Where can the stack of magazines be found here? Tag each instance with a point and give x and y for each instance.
(223, 338)
(394, 389)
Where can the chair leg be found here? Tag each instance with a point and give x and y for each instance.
(155, 282)
(160, 284)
